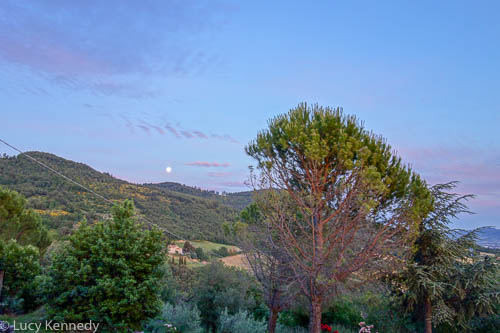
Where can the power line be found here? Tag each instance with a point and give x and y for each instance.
(82, 186)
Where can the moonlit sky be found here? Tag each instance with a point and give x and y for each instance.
(133, 87)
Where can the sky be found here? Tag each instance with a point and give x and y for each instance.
(132, 87)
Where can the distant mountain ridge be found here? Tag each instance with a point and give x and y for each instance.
(178, 208)
(490, 237)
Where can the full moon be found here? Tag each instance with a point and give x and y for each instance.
(168, 169)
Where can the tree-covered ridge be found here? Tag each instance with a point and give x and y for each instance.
(62, 204)
(238, 200)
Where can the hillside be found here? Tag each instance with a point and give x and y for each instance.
(238, 200)
(63, 204)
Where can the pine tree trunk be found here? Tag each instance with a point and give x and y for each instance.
(428, 315)
(273, 319)
(1, 283)
(315, 316)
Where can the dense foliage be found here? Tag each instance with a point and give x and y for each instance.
(109, 272)
(445, 284)
(20, 223)
(22, 236)
(218, 288)
(19, 265)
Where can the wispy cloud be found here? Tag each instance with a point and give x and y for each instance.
(172, 130)
(225, 137)
(158, 129)
(200, 134)
(75, 44)
(176, 130)
(144, 128)
(208, 164)
(187, 134)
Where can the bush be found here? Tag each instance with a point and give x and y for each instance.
(240, 322)
(108, 273)
(343, 312)
(293, 318)
(184, 317)
(20, 265)
(221, 252)
(220, 287)
(200, 254)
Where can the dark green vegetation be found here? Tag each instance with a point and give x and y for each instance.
(62, 204)
(22, 238)
(238, 200)
(109, 273)
(445, 282)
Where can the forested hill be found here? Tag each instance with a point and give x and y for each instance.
(62, 204)
(238, 200)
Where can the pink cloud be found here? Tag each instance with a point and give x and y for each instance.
(208, 164)
(224, 137)
(158, 129)
(172, 130)
(187, 134)
(200, 134)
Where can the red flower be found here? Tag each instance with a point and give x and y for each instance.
(325, 327)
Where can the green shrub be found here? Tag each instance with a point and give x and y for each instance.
(240, 322)
(219, 287)
(293, 318)
(20, 265)
(184, 317)
(200, 254)
(342, 312)
(221, 252)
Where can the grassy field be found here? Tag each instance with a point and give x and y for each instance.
(236, 261)
(208, 246)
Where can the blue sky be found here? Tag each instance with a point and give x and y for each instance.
(132, 87)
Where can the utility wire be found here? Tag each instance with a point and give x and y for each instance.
(82, 186)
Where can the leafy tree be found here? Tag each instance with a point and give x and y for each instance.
(21, 232)
(269, 263)
(183, 316)
(19, 265)
(108, 273)
(19, 223)
(353, 203)
(188, 247)
(200, 254)
(444, 282)
(221, 252)
(220, 287)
